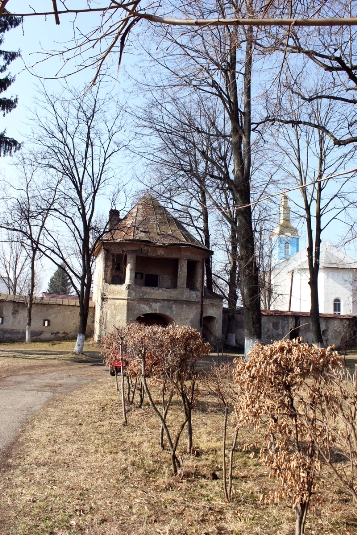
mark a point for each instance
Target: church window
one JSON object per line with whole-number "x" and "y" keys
{"x": 46, "y": 323}
{"x": 286, "y": 248}
{"x": 1, "y": 320}
{"x": 337, "y": 306}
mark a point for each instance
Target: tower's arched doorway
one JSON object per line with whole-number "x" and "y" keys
{"x": 209, "y": 328}
{"x": 155, "y": 319}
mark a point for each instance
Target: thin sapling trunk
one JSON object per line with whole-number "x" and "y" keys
{"x": 122, "y": 384}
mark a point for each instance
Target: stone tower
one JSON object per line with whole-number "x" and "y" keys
{"x": 150, "y": 269}
{"x": 285, "y": 237}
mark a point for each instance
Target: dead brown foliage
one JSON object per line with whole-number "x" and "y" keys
{"x": 279, "y": 390}
{"x": 167, "y": 355}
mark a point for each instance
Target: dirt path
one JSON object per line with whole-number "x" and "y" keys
{"x": 21, "y": 395}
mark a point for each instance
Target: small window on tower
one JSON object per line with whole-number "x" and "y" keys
{"x": 151, "y": 280}
{"x": 337, "y": 306}
{"x": 286, "y": 248}
{"x": 46, "y": 323}
{"x": 118, "y": 269}
{"x": 1, "y": 320}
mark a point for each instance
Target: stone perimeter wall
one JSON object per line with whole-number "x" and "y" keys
{"x": 337, "y": 330}
{"x": 63, "y": 315}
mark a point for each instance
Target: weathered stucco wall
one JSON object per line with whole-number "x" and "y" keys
{"x": 177, "y": 297}
{"x": 340, "y": 331}
{"x": 212, "y": 319}
{"x": 62, "y": 314}
{"x": 125, "y": 303}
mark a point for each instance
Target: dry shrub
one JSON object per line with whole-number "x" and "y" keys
{"x": 279, "y": 389}
{"x": 219, "y": 381}
{"x": 335, "y": 431}
{"x": 167, "y": 356}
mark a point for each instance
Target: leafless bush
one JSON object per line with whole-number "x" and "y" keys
{"x": 167, "y": 356}
{"x": 280, "y": 391}
{"x": 219, "y": 381}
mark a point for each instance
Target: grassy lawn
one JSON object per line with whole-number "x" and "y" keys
{"x": 36, "y": 356}
{"x": 351, "y": 361}
{"x": 77, "y": 469}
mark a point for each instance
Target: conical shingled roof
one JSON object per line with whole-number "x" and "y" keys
{"x": 149, "y": 221}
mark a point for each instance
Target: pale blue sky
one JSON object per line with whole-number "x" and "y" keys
{"x": 38, "y": 33}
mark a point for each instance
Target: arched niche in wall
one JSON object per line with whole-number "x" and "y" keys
{"x": 155, "y": 319}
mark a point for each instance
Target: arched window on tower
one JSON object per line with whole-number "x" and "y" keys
{"x": 337, "y": 306}
{"x": 286, "y": 248}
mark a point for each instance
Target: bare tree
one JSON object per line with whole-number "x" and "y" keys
{"x": 223, "y": 61}
{"x": 117, "y": 20}
{"x": 327, "y": 53}
{"x": 76, "y": 137}
{"x": 13, "y": 263}
{"x": 311, "y": 161}
{"x": 190, "y": 151}
{"x": 218, "y": 64}
{"x": 29, "y": 203}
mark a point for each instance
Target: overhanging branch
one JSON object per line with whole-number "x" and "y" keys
{"x": 331, "y": 21}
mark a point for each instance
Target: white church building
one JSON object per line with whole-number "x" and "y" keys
{"x": 337, "y": 281}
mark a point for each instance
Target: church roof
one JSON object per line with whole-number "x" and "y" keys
{"x": 330, "y": 257}
{"x": 148, "y": 221}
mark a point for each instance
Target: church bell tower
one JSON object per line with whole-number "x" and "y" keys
{"x": 285, "y": 238}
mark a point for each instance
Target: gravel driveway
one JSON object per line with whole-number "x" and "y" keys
{"x": 21, "y": 395}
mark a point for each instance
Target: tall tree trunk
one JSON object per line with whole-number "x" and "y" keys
{"x": 28, "y": 323}
{"x": 314, "y": 311}
{"x": 313, "y": 259}
{"x": 83, "y": 318}
{"x": 30, "y": 296}
{"x": 232, "y": 285}
{"x": 313, "y": 249}
{"x": 84, "y": 298}
{"x": 241, "y": 149}
{"x": 207, "y": 238}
